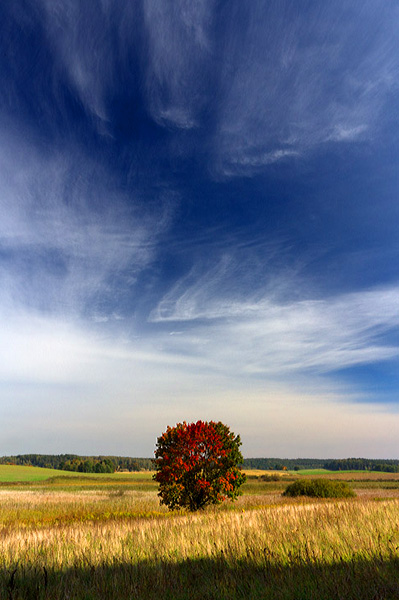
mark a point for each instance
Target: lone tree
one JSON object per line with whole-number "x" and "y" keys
{"x": 198, "y": 464}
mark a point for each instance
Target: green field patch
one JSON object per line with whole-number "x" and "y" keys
{"x": 16, "y": 473}
{"x": 313, "y": 472}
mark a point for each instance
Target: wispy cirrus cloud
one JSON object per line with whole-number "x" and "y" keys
{"x": 212, "y": 370}
{"x": 93, "y": 49}
{"x": 70, "y": 373}
{"x": 71, "y": 242}
{"x": 221, "y": 283}
{"x": 287, "y": 95}
{"x": 140, "y": 283}
{"x": 85, "y": 55}
{"x": 176, "y": 80}
{"x": 274, "y": 92}
{"x": 268, "y": 330}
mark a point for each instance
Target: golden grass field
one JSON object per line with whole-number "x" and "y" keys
{"x": 91, "y": 538}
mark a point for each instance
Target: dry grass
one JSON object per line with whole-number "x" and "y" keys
{"x": 327, "y": 530}
{"x": 105, "y": 543}
{"x": 44, "y": 508}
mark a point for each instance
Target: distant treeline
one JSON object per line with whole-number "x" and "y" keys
{"x": 344, "y": 464}
{"x": 279, "y": 464}
{"x": 363, "y": 464}
{"x": 111, "y": 464}
{"x": 81, "y": 464}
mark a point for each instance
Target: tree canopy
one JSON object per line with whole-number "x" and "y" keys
{"x": 197, "y": 464}
{"x": 85, "y": 464}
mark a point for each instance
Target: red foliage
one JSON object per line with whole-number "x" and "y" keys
{"x": 197, "y": 464}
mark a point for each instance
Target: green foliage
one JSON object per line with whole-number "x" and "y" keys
{"x": 319, "y": 488}
{"x": 197, "y": 465}
{"x": 80, "y": 464}
{"x": 363, "y": 464}
{"x": 277, "y": 464}
{"x": 270, "y": 477}
{"x": 300, "y": 464}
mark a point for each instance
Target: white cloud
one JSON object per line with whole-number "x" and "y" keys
{"x": 254, "y": 364}
{"x": 80, "y": 40}
{"x": 263, "y": 335}
{"x": 255, "y": 159}
{"x": 178, "y": 55}
{"x": 342, "y": 134}
{"x": 241, "y": 340}
{"x": 69, "y": 236}
{"x": 68, "y": 389}
{"x": 171, "y": 40}
{"x": 301, "y": 79}
{"x": 280, "y": 81}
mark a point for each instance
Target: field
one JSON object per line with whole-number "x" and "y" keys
{"x": 98, "y": 537}
{"x": 12, "y": 473}
{"x": 15, "y": 473}
{"x": 349, "y": 475}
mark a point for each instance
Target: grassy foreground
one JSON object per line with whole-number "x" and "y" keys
{"x": 99, "y": 542}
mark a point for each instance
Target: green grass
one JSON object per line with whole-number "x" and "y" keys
{"x": 315, "y": 472}
{"x": 312, "y": 472}
{"x": 16, "y": 473}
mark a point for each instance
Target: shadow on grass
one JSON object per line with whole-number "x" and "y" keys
{"x": 205, "y": 579}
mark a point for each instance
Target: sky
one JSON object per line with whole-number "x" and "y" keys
{"x": 199, "y": 220}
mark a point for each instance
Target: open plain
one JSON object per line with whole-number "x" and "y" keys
{"x": 92, "y": 537}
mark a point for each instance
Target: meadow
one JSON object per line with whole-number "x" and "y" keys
{"x": 91, "y": 537}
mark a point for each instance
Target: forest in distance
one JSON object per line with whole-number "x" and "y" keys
{"x": 112, "y": 464}
{"x": 80, "y": 464}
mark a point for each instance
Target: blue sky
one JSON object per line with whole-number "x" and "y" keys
{"x": 199, "y": 220}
